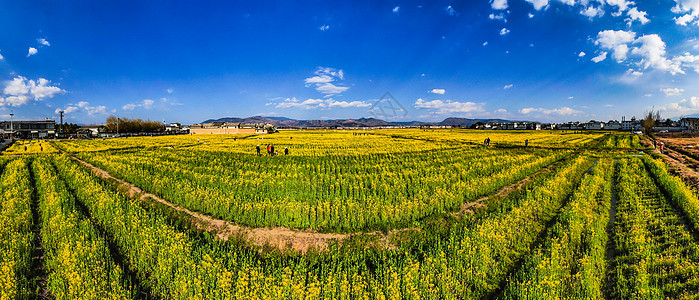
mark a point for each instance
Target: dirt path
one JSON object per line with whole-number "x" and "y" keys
{"x": 279, "y": 237}
{"x": 502, "y": 193}
{"x": 678, "y": 163}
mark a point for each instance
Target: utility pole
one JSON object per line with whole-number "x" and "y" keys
{"x": 12, "y": 127}
{"x": 61, "y": 120}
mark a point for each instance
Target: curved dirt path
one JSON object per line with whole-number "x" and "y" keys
{"x": 282, "y": 238}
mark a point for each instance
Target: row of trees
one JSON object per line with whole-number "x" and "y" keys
{"x": 115, "y": 124}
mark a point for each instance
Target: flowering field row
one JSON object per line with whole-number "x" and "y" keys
{"x": 15, "y": 229}
{"x": 657, "y": 255}
{"x": 570, "y": 263}
{"x": 30, "y": 147}
{"x": 347, "y": 193}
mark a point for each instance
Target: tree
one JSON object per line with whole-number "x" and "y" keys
{"x": 132, "y": 125}
{"x": 651, "y": 118}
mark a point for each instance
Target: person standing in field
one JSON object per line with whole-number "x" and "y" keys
{"x": 258, "y": 150}
{"x": 655, "y": 142}
{"x": 286, "y": 150}
{"x": 268, "y": 151}
{"x": 661, "y": 147}
{"x": 271, "y": 151}
{"x": 526, "y": 143}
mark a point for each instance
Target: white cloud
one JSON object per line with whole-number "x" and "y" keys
{"x": 685, "y": 106}
{"x": 31, "y": 51}
{"x": 324, "y": 27}
{"x": 648, "y": 95}
{"x": 501, "y": 111}
{"x": 93, "y": 110}
{"x": 609, "y": 105}
{"x": 652, "y": 53}
{"x": 539, "y": 4}
{"x": 507, "y": 87}
{"x": 449, "y": 106}
{"x": 672, "y": 91}
{"x": 498, "y": 4}
{"x": 438, "y": 91}
{"x": 690, "y": 8}
{"x": 688, "y": 60}
{"x": 322, "y": 81}
{"x": 85, "y": 106}
{"x": 43, "y": 42}
{"x": 147, "y": 104}
{"x": 648, "y": 50}
{"x": 571, "y": 97}
{"x": 615, "y": 40}
{"x": 485, "y": 43}
{"x": 592, "y": 12}
{"x": 1, "y": 57}
{"x": 21, "y": 91}
{"x": 621, "y": 4}
{"x": 14, "y": 100}
{"x": 170, "y": 91}
{"x": 450, "y": 10}
{"x": 581, "y": 54}
{"x": 636, "y": 15}
{"x": 395, "y": 9}
{"x": 329, "y": 88}
{"x": 602, "y": 56}
{"x": 42, "y": 89}
{"x": 683, "y": 20}
{"x": 319, "y": 103}
{"x": 504, "y": 31}
{"x": 500, "y": 17}
{"x": 530, "y": 15}
{"x": 563, "y": 111}
{"x": 67, "y": 110}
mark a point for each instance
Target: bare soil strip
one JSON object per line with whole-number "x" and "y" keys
{"x": 469, "y": 207}
{"x": 282, "y": 238}
{"x": 610, "y": 254}
{"x": 38, "y": 275}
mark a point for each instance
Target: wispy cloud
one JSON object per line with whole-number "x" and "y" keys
{"x": 563, "y": 111}
{"x": 602, "y": 56}
{"x": 449, "y": 106}
{"x": 146, "y": 104}
{"x": 499, "y": 4}
{"x": 672, "y": 91}
{"x": 323, "y": 80}
{"x": 318, "y": 104}
{"x": 438, "y": 91}
{"x": 504, "y": 31}
{"x": 85, "y": 106}
{"x": 507, "y": 86}
{"x": 43, "y": 42}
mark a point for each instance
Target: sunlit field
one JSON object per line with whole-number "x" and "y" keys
{"x": 430, "y": 214}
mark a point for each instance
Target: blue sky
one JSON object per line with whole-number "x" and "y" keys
{"x": 188, "y": 61}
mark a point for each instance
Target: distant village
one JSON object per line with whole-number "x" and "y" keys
{"x": 51, "y": 129}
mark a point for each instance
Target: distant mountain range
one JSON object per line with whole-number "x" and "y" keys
{"x": 361, "y": 122}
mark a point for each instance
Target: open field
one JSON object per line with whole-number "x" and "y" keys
{"x": 381, "y": 214}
